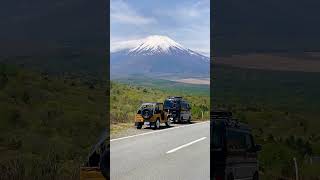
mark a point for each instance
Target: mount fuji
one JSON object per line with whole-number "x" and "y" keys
{"x": 158, "y": 56}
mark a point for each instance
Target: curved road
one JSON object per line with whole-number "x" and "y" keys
{"x": 178, "y": 153}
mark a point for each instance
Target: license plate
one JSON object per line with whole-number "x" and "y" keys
{"x": 147, "y": 123}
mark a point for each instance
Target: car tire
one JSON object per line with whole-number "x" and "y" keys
{"x": 157, "y": 124}
{"x": 255, "y": 176}
{"x": 139, "y": 126}
{"x": 189, "y": 120}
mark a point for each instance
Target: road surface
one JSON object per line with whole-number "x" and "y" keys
{"x": 178, "y": 153}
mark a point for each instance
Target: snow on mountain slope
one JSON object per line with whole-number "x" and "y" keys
{"x": 154, "y": 45}
{"x": 158, "y": 55}
{"x": 157, "y": 44}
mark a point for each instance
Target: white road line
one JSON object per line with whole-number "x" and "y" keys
{"x": 185, "y": 145}
{"x": 157, "y": 131}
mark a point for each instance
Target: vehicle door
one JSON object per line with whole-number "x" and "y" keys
{"x": 156, "y": 109}
{"x": 184, "y": 113}
{"x": 162, "y": 113}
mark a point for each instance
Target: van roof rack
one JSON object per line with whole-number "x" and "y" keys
{"x": 174, "y": 97}
{"x": 220, "y": 115}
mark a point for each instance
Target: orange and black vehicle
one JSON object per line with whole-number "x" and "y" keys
{"x": 151, "y": 114}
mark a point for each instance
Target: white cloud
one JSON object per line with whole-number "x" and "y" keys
{"x": 187, "y": 12}
{"x": 121, "y": 45}
{"x": 121, "y": 12}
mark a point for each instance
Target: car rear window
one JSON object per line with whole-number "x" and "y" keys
{"x": 237, "y": 140}
{"x": 169, "y": 104}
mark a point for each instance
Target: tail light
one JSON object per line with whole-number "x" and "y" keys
{"x": 218, "y": 178}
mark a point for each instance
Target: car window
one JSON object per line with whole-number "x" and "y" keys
{"x": 236, "y": 140}
{"x": 168, "y": 104}
{"x": 185, "y": 106}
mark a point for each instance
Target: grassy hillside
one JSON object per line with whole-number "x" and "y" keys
{"x": 48, "y": 123}
{"x": 283, "y": 110}
{"x": 125, "y": 99}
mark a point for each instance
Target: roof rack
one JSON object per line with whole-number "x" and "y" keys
{"x": 174, "y": 97}
{"x": 220, "y": 115}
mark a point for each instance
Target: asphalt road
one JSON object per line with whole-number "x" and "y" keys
{"x": 177, "y": 153}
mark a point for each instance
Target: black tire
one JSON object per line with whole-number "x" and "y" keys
{"x": 146, "y": 113}
{"x": 105, "y": 163}
{"x": 255, "y": 176}
{"x": 181, "y": 119}
{"x": 189, "y": 120}
{"x": 139, "y": 126}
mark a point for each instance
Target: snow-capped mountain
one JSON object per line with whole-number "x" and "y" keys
{"x": 157, "y": 55}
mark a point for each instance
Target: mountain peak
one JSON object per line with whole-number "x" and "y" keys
{"x": 157, "y": 43}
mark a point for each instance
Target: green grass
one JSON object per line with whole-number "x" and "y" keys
{"x": 283, "y": 110}
{"x": 48, "y": 123}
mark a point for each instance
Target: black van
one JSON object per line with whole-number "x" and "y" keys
{"x": 232, "y": 148}
{"x": 179, "y": 110}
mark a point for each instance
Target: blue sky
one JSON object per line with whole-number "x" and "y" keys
{"x": 185, "y": 21}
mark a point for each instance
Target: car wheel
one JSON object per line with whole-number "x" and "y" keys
{"x": 139, "y": 126}
{"x": 157, "y": 124}
{"x": 189, "y": 120}
{"x": 255, "y": 176}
